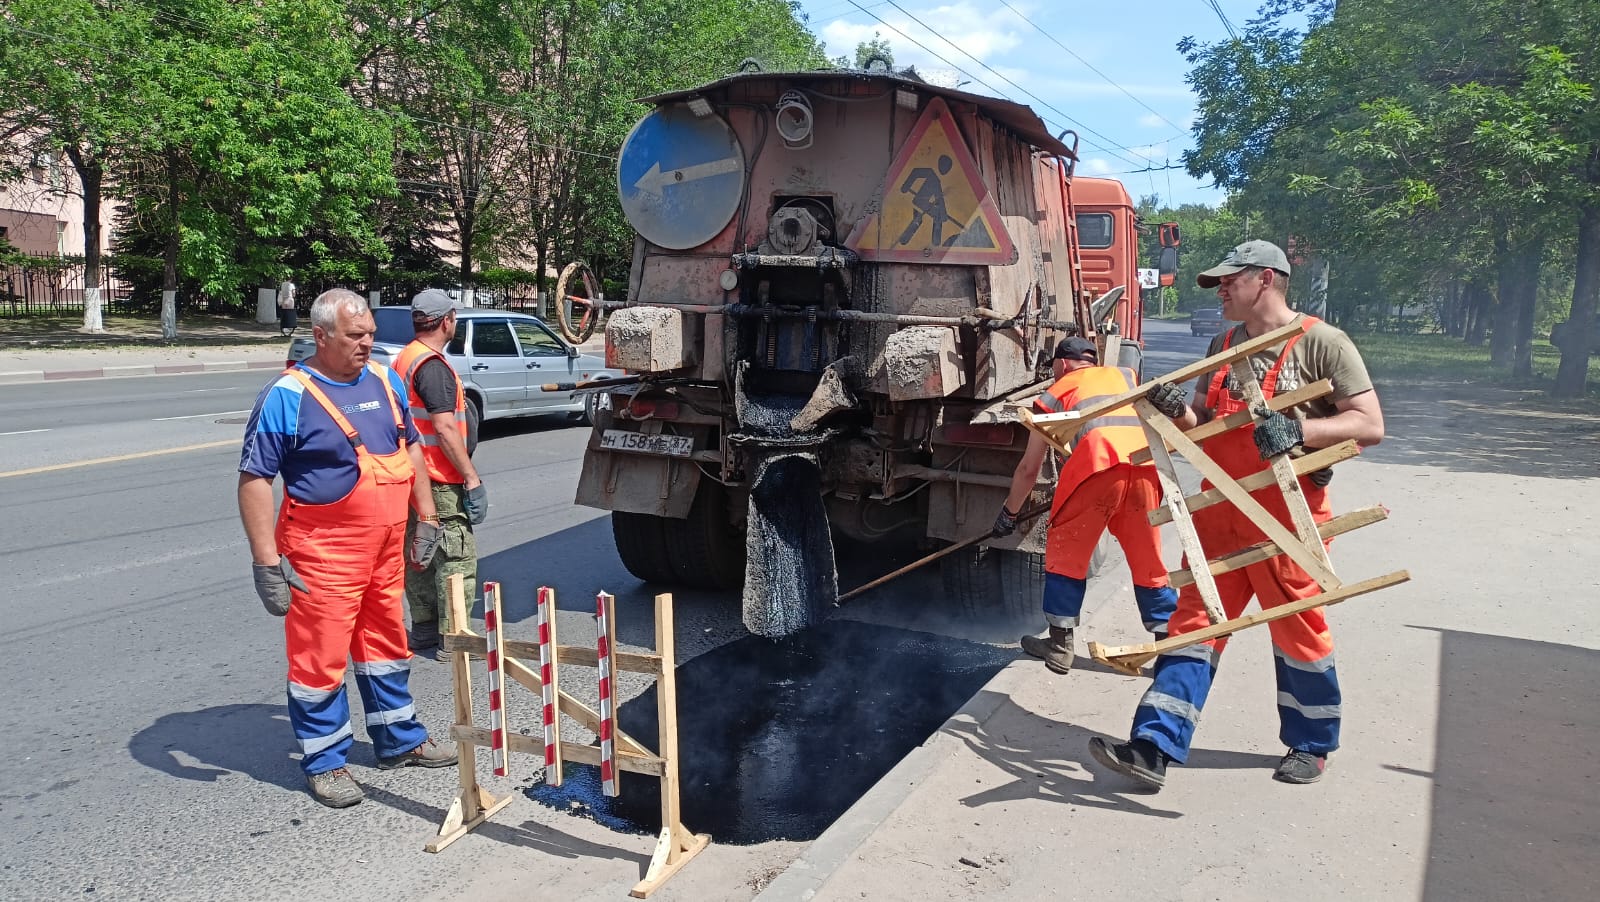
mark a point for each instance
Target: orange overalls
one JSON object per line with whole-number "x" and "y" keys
{"x": 1098, "y": 489}
{"x": 1308, "y": 685}
{"x": 351, "y": 555}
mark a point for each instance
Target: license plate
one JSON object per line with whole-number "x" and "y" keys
{"x": 647, "y": 443}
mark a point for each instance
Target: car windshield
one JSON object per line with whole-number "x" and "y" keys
{"x": 394, "y": 325}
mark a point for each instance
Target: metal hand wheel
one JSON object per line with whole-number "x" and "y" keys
{"x": 576, "y": 291}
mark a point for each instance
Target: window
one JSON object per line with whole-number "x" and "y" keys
{"x": 394, "y": 325}
{"x": 1095, "y": 230}
{"x": 536, "y": 342}
{"x": 492, "y": 338}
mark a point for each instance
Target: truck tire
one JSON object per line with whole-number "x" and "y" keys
{"x": 1003, "y": 588}
{"x": 642, "y": 545}
{"x": 702, "y": 551}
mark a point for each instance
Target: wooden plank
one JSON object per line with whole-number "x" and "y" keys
{"x": 654, "y": 878}
{"x": 1263, "y": 551}
{"x": 578, "y": 711}
{"x": 550, "y": 694}
{"x": 1316, "y": 460}
{"x": 1234, "y": 420}
{"x": 575, "y": 655}
{"x": 1030, "y": 419}
{"x": 461, "y": 681}
{"x": 667, "y": 719}
{"x": 649, "y": 765}
{"x": 1130, "y": 658}
{"x": 1268, "y": 524}
{"x": 1172, "y": 494}
{"x": 1066, "y": 423}
{"x": 1305, "y": 525}
{"x": 487, "y": 807}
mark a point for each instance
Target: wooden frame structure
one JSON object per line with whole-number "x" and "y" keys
{"x": 675, "y": 845}
{"x": 1303, "y": 543}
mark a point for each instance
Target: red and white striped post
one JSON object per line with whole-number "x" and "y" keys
{"x": 499, "y": 754}
{"x": 603, "y": 613}
{"x": 551, "y": 717}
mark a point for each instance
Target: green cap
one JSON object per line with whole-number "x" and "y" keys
{"x": 1260, "y": 253}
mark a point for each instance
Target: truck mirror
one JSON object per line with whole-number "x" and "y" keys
{"x": 1170, "y": 236}
{"x": 1168, "y": 265}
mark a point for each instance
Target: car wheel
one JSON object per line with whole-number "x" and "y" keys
{"x": 474, "y": 419}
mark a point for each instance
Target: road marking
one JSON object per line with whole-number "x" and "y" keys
{"x": 24, "y": 432}
{"x": 196, "y": 391}
{"x": 201, "y": 416}
{"x": 118, "y": 458}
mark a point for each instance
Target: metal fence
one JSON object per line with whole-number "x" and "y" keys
{"x": 47, "y": 284}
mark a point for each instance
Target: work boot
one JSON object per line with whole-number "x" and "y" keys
{"x": 1056, "y": 649}
{"x": 335, "y": 788}
{"x": 1137, "y": 758}
{"x": 1300, "y": 767}
{"x": 423, "y": 636}
{"x": 428, "y": 754}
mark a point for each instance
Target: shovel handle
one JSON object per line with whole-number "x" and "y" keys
{"x": 1024, "y": 517}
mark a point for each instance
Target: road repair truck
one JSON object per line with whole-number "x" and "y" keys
{"x": 843, "y": 284}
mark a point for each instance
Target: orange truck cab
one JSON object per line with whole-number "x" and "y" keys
{"x": 1108, "y": 241}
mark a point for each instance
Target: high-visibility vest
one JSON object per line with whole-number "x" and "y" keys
{"x": 1108, "y": 439}
{"x": 411, "y": 359}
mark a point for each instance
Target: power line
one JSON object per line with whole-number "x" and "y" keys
{"x": 1091, "y": 67}
{"x": 1224, "y": 17}
{"x": 1161, "y": 168}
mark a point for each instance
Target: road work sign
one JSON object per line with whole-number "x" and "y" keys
{"x": 934, "y": 206}
{"x": 680, "y": 177}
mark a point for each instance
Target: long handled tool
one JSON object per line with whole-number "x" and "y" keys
{"x": 1026, "y": 516}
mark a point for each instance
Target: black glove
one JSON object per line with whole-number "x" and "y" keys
{"x": 1320, "y": 478}
{"x": 1170, "y": 399}
{"x": 1005, "y": 524}
{"x": 477, "y": 504}
{"x": 1276, "y": 433}
{"x": 424, "y": 542}
{"x": 273, "y": 582}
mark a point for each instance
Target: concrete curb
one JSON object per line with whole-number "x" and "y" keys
{"x": 806, "y": 875}
{"x": 140, "y": 369}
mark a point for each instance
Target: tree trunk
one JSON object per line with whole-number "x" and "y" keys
{"x": 1505, "y": 311}
{"x": 169, "y": 257}
{"x": 90, "y": 176}
{"x": 1317, "y": 298}
{"x": 1477, "y": 312}
{"x": 1576, "y": 344}
{"x": 1530, "y": 260}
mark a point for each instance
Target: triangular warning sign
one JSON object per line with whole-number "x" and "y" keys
{"x": 934, "y": 206}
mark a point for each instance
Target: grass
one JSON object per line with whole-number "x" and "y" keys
{"x": 45, "y": 331}
{"x": 1440, "y": 358}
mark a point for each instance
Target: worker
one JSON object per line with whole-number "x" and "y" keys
{"x": 439, "y": 408}
{"x": 1252, "y": 282}
{"x": 1097, "y": 488}
{"x": 336, "y": 428}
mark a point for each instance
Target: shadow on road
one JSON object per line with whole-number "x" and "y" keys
{"x": 1516, "y": 787}
{"x": 1481, "y": 429}
{"x": 254, "y": 740}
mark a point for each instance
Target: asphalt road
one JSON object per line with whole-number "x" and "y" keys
{"x": 151, "y": 755}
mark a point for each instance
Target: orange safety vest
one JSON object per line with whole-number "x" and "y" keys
{"x": 440, "y": 469}
{"x": 382, "y": 493}
{"x": 1103, "y": 442}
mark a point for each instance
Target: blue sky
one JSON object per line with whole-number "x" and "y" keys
{"x": 996, "y": 50}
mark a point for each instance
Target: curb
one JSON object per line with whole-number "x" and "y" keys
{"x": 807, "y": 875}
{"x": 16, "y": 377}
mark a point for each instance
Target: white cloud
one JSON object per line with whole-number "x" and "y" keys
{"x": 1151, "y": 120}
{"x": 967, "y": 27}
{"x": 1097, "y": 166}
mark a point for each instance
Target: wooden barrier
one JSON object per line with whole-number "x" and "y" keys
{"x": 675, "y": 845}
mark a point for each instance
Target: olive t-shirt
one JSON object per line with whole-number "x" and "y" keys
{"x": 1324, "y": 352}
{"x": 435, "y": 382}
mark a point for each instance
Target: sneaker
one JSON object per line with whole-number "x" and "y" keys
{"x": 335, "y": 788}
{"x": 1055, "y": 649}
{"x": 423, "y": 636}
{"x": 1138, "y": 758}
{"x": 1300, "y": 767}
{"x": 428, "y": 754}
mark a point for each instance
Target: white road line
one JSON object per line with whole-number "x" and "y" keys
{"x": 24, "y": 432}
{"x": 198, "y": 416}
{"x": 197, "y": 391}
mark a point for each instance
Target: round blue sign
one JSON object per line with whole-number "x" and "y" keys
{"x": 680, "y": 177}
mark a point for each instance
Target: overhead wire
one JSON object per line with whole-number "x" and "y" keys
{"x": 1217, "y": 7}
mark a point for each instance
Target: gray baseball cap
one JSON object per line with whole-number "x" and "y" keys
{"x": 1260, "y": 253}
{"x": 432, "y": 303}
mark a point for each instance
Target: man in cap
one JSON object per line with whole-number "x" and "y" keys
{"x": 1252, "y": 281}
{"x": 439, "y": 408}
{"x": 1098, "y": 488}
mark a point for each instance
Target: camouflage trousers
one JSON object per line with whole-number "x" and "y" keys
{"x": 428, "y": 591}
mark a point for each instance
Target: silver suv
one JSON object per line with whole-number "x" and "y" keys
{"x": 503, "y": 360}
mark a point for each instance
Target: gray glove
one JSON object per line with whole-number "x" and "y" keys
{"x": 1276, "y": 433}
{"x": 477, "y": 504}
{"x": 424, "y": 542}
{"x": 1170, "y": 399}
{"x": 1005, "y": 524}
{"x": 273, "y": 582}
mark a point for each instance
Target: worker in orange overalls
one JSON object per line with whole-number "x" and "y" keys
{"x": 1251, "y": 281}
{"x": 336, "y": 427}
{"x": 1097, "y": 489}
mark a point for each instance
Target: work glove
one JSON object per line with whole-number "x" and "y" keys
{"x": 273, "y": 582}
{"x": 1320, "y": 478}
{"x": 477, "y": 504}
{"x": 424, "y": 542}
{"x": 1276, "y": 433}
{"x": 1005, "y": 524}
{"x": 1170, "y": 399}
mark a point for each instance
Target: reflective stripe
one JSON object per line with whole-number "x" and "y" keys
{"x": 314, "y": 744}
{"x": 1199, "y": 651}
{"x": 1085, "y": 403}
{"x": 384, "y": 718}
{"x": 1049, "y": 402}
{"x": 1315, "y": 712}
{"x": 1321, "y": 665}
{"x": 1153, "y": 625}
{"x": 430, "y": 440}
{"x": 1103, "y": 422}
{"x": 380, "y": 668}
{"x": 1170, "y": 704}
{"x": 305, "y": 695}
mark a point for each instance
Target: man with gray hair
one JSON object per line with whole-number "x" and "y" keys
{"x": 337, "y": 429}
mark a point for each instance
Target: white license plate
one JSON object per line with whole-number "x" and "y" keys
{"x": 647, "y": 443}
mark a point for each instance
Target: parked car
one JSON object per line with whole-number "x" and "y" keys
{"x": 502, "y": 359}
{"x": 1208, "y": 321}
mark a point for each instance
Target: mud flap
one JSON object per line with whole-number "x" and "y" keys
{"x": 637, "y": 483}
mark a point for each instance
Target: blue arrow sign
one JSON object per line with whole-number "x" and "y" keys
{"x": 680, "y": 177}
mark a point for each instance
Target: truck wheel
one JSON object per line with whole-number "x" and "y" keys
{"x": 642, "y": 545}
{"x": 1003, "y": 588}
{"x": 703, "y": 551}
